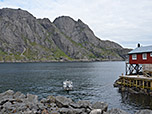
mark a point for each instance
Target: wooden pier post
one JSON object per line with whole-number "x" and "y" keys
{"x": 150, "y": 85}
{"x": 143, "y": 84}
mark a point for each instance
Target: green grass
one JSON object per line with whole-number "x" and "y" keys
{"x": 8, "y": 58}
{"x": 1, "y": 58}
{"x": 2, "y": 53}
{"x": 18, "y": 57}
{"x": 59, "y": 53}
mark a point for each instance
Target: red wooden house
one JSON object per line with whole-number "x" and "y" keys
{"x": 139, "y": 58}
{"x": 138, "y": 70}
{"x": 141, "y": 55}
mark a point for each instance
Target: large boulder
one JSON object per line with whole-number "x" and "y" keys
{"x": 7, "y": 93}
{"x": 75, "y": 105}
{"x": 84, "y": 104}
{"x": 96, "y": 111}
{"x": 32, "y": 98}
{"x": 62, "y": 101}
{"x": 19, "y": 96}
{"x": 100, "y": 105}
{"x": 6, "y": 96}
{"x": 51, "y": 99}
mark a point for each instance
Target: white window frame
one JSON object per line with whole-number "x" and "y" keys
{"x": 134, "y": 56}
{"x": 151, "y": 54}
{"x": 144, "y": 56}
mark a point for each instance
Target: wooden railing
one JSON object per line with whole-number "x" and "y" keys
{"x": 134, "y": 83}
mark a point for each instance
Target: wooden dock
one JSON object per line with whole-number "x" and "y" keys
{"x": 138, "y": 81}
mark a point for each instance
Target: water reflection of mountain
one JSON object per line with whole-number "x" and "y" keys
{"x": 137, "y": 102}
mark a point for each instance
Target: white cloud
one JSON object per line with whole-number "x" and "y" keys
{"x": 124, "y": 21}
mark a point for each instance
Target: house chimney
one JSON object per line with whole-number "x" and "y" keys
{"x": 138, "y": 45}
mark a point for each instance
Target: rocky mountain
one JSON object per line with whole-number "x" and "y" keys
{"x": 23, "y": 38}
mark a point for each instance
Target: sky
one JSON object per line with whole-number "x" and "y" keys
{"x": 126, "y": 22}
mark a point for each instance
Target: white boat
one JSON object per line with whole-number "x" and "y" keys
{"x": 67, "y": 85}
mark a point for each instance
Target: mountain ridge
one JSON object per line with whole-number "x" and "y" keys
{"x": 23, "y": 38}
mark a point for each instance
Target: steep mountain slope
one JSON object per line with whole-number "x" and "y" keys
{"x": 82, "y": 34}
{"x": 25, "y": 38}
{"x": 64, "y": 43}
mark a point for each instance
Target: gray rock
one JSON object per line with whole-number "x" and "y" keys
{"x": 53, "y": 105}
{"x": 54, "y": 112}
{"x": 75, "y": 105}
{"x": 51, "y": 99}
{"x": 19, "y": 96}
{"x": 41, "y": 106}
{"x": 85, "y": 104}
{"x": 100, "y": 105}
{"x": 32, "y": 98}
{"x": 63, "y": 101}
{"x": 7, "y": 93}
{"x": 28, "y": 111}
{"x": 6, "y": 96}
{"x": 71, "y": 111}
{"x": 43, "y": 100}
{"x": 20, "y": 106}
{"x": 65, "y": 111}
{"x": 8, "y": 106}
{"x": 78, "y": 111}
{"x": 146, "y": 111}
{"x": 115, "y": 111}
{"x": 96, "y": 111}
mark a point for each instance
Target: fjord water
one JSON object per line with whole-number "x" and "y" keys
{"x": 93, "y": 81}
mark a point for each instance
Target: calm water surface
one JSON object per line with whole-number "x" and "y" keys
{"x": 92, "y": 81}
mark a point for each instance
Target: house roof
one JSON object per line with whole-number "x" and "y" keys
{"x": 142, "y": 49}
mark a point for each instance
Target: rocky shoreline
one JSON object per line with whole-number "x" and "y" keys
{"x": 17, "y": 103}
{"x": 61, "y": 60}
